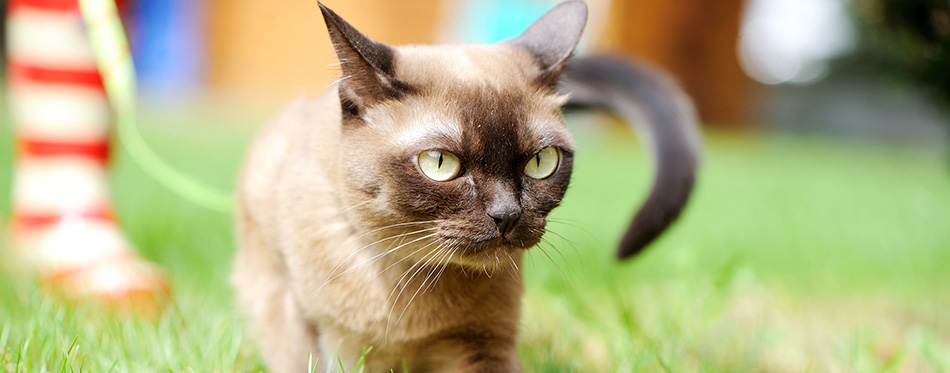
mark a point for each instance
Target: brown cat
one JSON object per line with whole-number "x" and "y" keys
{"x": 394, "y": 211}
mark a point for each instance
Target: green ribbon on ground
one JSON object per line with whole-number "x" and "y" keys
{"x": 114, "y": 59}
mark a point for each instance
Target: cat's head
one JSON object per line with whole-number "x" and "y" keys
{"x": 456, "y": 151}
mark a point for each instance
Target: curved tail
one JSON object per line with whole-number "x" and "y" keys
{"x": 650, "y": 102}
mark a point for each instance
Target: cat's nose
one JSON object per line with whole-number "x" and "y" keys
{"x": 501, "y": 204}
{"x": 505, "y": 219}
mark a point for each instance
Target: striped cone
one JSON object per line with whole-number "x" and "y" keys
{"x": 63, "y": 221}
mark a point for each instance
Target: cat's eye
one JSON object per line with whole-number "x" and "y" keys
{"x": 543, "y": 163}
{"x": 439, "y": 165}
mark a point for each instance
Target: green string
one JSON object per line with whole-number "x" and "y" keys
{"x": 118, "y": 73}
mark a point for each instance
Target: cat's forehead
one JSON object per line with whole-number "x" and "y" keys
{"x": 478, "y": 121}
{"x": 496, "y": 66}
{"x": 476, "y": 98}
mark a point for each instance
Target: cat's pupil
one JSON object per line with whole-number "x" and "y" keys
{"x": 440, "y": 160}
{"x": 537, "y": 158}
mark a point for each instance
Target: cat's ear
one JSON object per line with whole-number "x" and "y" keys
{"x": 368, "y": 66}
{"x": 552, "y": 38}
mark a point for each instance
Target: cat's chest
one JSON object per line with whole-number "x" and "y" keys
{"x": 384, "y": 298}
{"x": 349, "y": 284}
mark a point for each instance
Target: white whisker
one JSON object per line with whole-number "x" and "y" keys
{"x": 398, "y": 225}
{"x": 513, "y": 264}
{"x": 352, "y": 207}
{"x": 421, "y": 265}
{"x": 424, "y": 281}
{"x": 334, "y": 276}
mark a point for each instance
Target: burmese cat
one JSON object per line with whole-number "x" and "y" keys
{"x": 394, "y": 210}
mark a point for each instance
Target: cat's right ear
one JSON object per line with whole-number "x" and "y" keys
{"x": 368, "y": 67}
{"x": 552, "y": 38}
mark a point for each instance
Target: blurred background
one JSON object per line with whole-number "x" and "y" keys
{"x": 818, "y": 238}
{"x": 857, "y": 67}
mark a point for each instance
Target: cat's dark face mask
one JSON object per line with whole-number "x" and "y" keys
{"x": 471, "y": 173}
{"x": 505, "y": 169}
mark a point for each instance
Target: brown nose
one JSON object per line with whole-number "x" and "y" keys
{"x": 501, "y": 204}
{"x": 506, "y": 219}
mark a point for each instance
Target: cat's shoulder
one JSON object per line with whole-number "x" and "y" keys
{"x": 304, "y": 126}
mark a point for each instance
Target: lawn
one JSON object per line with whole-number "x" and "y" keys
{"x": 797, "y": 253}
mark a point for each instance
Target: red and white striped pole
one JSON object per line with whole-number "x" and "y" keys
{"x": 63, "y": 219}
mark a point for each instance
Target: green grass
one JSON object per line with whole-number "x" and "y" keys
{"x": 797, "y": 253}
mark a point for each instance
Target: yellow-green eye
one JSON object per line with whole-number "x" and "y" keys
{"x": 439, "y": 165}
{"x": 543, "y": 163}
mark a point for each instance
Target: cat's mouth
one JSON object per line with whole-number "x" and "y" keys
{"x": 470, "y": 244}
{"x": 481, "y": 238}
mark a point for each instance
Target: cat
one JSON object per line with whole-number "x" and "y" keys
{"x": 393, "y": 212}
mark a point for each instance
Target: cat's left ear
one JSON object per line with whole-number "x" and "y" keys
{"x": 368, "y": 67}
{"x": 552, "y": 38}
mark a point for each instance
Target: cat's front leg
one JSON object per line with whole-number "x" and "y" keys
{"x": 492, "y": 360}
{"x": 286, "y": 338}
{"x": 476, "y": 353}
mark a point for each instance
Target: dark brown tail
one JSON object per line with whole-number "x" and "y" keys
{"x": 650, "y": 102}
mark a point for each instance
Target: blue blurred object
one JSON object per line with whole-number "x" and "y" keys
{"x": 168, "y": 45}
{"x": 491, "y": 21}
